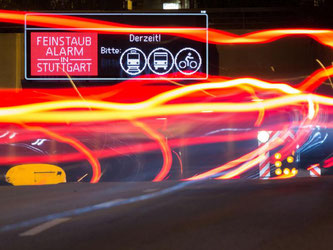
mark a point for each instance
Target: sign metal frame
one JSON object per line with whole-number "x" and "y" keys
{"x": 107, "y": 14}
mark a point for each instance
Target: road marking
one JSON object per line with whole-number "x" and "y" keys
{"x": 47, "y": 225}
{"x": 96, "y": 207}
{"x": 108, "y": 204}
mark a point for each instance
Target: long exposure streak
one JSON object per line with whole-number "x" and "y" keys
{"x": 215, "y": 36}
{"x": 212, "y": 103}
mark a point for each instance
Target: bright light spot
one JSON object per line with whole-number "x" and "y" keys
{"x": 311, "y": 112}
{"x": 294, "y": 171}
{"x": 277, "y": 156}
{"x": 161, "y": 118}
{"x": 290, "y": 159}
{"x": 286, "y": 171}
{"x": 12, "y": 135}
{"x": 38, "y": 142}
{"x": 4, "y": 134}
{"x": 263, "y": 136}
{"x": 278, "y": 164}
{"x": 207, "y": 111}
{"x": 278, "y": 171}
{"x": 171, "y": 6}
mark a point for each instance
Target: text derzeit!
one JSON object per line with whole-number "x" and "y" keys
{"x": 145, "y": 38}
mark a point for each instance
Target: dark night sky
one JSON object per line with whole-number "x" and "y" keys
{"x": 120, "y": 4}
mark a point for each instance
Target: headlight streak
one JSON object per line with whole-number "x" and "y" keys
{"x": 154, "y": 101}
{"x": 128, "y": 149}
{"x": 247, "y": 157}
{"x": 300, "y": 137}
{"x": 311, "y": 112}
{"x": 175, "y": 102}
{"x": 314, "y": 141}
{"x": 244, "y": 167}
{"x": 250, "y": 160}
{"x": 27, "y": 113}
{"x": 24, "y": 112}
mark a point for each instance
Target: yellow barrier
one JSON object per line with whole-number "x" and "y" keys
{"x": 35, "y": 174}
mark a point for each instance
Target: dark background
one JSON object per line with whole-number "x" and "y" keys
{"x": 152, "y": 4}
{"x": 223, "y": 14}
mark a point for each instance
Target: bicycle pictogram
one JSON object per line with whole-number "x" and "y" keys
{"x": 188, "y": 61}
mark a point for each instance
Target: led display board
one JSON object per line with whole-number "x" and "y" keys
{"x": 118, "y": 46}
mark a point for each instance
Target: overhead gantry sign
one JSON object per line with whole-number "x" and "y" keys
{"x": 116, "y": 46}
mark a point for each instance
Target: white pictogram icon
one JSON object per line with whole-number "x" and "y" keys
{"x": 160, "y": 61}
{"x": 133, "y": 61}
{"x": 188, "y": 61}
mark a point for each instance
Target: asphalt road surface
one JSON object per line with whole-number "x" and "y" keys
{"x": 236, "y": 214}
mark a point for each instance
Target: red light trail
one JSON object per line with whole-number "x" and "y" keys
{"x": 55, "y": 113}
{"x": 323, "y": 36}
{"x": 46, "y": 112}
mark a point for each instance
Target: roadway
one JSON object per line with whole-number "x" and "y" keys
{"x": 235, "y": 214}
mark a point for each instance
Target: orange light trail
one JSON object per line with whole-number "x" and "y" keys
{"x": 25, "y": 114}
{"x": 323, "y": 36}
{"x": 165, "y": 149}
{"x": 249, "y": 161}
{"x": 96, "y": 168}
{"x": 283, "y": 176}
{"x": 160, "y": 99}
{"x": 154, "y": 101}
{"x": 124, "y": 150}
{"x": 148, "y": 107}
{"x": 244, "y": 167}
{"x": 282, "y": 102}
{"x": 175, "y": 101}
{"x": 316, "y": 79}
{"x": 46, "y": 112}
{"x": 312, "y": 166}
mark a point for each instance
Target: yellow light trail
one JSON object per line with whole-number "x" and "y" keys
{"x": 154, "y": 101}
{"x": 246, "y": 166}
{"x": 106, "y": 111}
{"x": 252, "y": 156}
{"x": 171, "y": 109}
